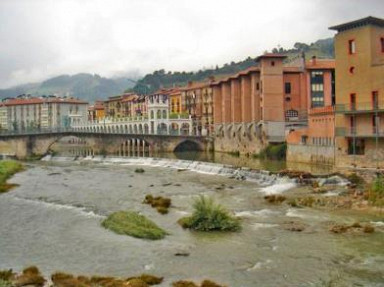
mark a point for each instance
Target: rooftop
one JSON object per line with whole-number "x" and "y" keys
{"x": 34, "y": 101}
{"x": 270, "y": 55}
{"x": 359, "y": 23}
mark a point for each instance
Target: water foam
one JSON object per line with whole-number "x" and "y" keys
{"x": 257, "y": 213}
{"x": 271, "y": 183}
{"x": 58, "y": 206}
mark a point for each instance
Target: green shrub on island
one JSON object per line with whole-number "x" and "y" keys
{"x": 208, "y": 216}
{"x": 376, "y": 192}
{"x": 133, "y": 224}
{"x": 139, "y": 170}
{"x": 7, "y": 169}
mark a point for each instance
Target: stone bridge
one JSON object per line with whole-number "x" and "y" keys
{"x": 23, "y": 145}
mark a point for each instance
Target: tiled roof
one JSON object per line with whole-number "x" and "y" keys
{"x": 34, "y": 101}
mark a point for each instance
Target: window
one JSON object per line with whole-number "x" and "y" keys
{"x": 333, "y": 88}
{"x": 382, "y": 44}
{"x": 375, "y": 124}
{"x": 273, "y": 63}
{"x": 356, "y": 146}
{"x": 291, "y": 115}
{"x": 375, "y": 100}
{"x": 352, "y": 125}
{"x": 352, "y": 70}
{"x": 351, "y": 47}
{"x": 353, "y": 102}
{"x": 257, "y": 86}
{"x": 287, "y": 88}
{"x": 317, "y": 89}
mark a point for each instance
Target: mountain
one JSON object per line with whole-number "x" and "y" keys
{"x": 84, "y": 86}
{"x": 163, "y": 79}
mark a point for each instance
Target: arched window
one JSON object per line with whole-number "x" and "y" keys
{"x": 291, "y": 115}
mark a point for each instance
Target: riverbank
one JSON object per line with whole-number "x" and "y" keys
{"x": 7, "y": 170}
{"x": 32, "y": 277}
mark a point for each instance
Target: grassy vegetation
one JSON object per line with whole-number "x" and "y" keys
{"x": 276, "y": 152}
{"x": 376, "y": 192}
{"x": 7, "y": 169}
{"x": 208, "y": 216}
{"x": 133, "y": 224}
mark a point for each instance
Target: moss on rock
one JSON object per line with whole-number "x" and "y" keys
{"x": 133, "y": 224}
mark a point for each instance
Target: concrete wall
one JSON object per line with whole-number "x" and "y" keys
{"x": 313, "y": 154}
{"x": 373, "y": 156}
{"x": 243, "y": 138}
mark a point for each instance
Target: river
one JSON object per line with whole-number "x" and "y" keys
{"x": 53, "y": 218}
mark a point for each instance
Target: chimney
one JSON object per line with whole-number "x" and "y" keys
{"x": 314, "y": 60}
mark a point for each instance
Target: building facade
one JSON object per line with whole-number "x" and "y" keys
{"x": 315, "y": 143}
{"x": 96, "y": 111}
{"x": 359, "y": 50}
{"x": 192, "y": 104}
{"x": 28, "y": 113}
{"x": 257, "y": 106}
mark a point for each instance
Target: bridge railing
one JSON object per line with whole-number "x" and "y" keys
{"x": 35, "y": 131}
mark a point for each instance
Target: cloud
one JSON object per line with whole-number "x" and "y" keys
{"x": 43, "y": 38}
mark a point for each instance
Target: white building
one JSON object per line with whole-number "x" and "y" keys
{"x": 28, "y": 113}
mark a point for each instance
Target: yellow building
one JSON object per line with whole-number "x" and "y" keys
{"x": 96, "y": 112}
{"x": 359, "y": 52}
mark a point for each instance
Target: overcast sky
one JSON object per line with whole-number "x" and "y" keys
{"x": 44, "y": 38}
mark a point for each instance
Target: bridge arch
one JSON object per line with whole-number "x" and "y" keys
{"x": 188, "y": 145}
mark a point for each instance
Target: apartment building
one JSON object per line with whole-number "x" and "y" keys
{"x": 29, "y": 113}
{"x": 315, "y": 143}
{"x": 197, "y": 101}
{"x": 359, "y": 50}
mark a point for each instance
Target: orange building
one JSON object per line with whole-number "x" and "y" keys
{"x": 359, "y": 50}
{"x": 259, "y": 105}
{"x": 197, "y": 101}
{"x": 315, "y": 143}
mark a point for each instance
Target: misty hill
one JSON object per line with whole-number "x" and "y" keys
{"x": 162, "y": 79}
{"x": 83, "y": 86}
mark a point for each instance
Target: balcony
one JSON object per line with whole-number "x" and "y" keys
{"x": 360, "y": 108}
{"x": 356, "y": 133}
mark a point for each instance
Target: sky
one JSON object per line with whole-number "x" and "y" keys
{"x": 44, "y": 38}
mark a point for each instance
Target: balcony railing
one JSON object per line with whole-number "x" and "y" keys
{"x": 360, "y": 108}
{"x": 359, "y": 133}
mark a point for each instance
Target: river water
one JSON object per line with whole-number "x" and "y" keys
{"x": 53, "y": 218}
